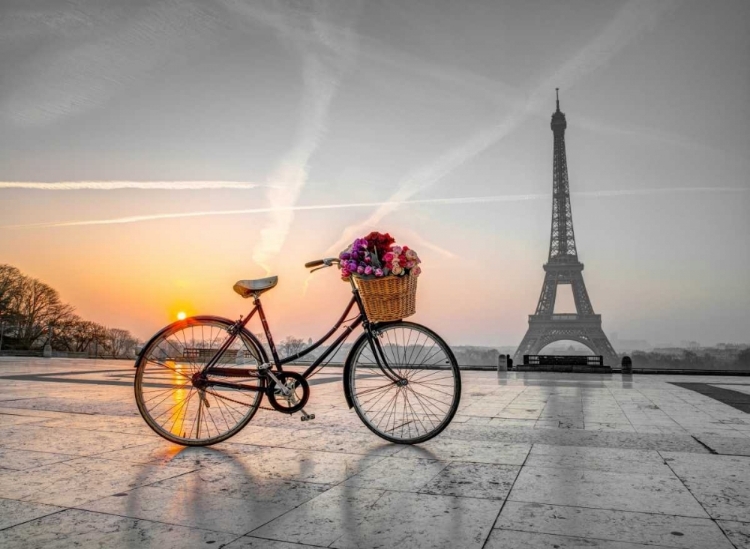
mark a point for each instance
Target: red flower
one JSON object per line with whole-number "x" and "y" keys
{"x": 379, "y": 243}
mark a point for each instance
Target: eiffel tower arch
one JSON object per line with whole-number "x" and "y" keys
{"x": 563, "y": 267}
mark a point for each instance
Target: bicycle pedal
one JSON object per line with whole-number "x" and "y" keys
{"x": 306, "y": 416}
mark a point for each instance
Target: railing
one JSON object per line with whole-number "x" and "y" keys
{"x": 565, "y": 317}
{"x": 562, "y": 360}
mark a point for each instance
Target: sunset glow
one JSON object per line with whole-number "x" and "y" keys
{"x": 157, "y": 161}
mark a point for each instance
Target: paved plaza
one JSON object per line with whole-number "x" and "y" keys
{"x": 534, "y": 460}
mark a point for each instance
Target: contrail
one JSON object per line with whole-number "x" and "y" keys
{"x": 326, "y": 51}
{"x": 630, "y": 21}
{"x": 321, "y": 75}
{"x": 114, "y": 185}
{"x": 425, "y": 201}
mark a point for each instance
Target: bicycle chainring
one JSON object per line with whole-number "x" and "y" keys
{"x": 294, "y": 402}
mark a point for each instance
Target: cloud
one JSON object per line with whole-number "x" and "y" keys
{"x": 323, "y": 63}
{"x": 424, "y": 201}
{"x": 90, "y": 53}
{"x": 634, "y": 18}
{"x": 114, "y": 185}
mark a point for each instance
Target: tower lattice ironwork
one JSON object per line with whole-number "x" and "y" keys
{"x": 563, "y": 267}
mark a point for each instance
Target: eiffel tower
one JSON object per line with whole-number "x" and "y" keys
{"x": 563, "y": 267}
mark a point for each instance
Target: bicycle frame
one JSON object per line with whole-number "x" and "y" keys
{"x": 211, "y": 366}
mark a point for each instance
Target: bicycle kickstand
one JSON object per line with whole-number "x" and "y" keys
{"x": 306, "y": 416}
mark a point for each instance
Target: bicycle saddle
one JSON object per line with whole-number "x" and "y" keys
{"x": 246, "y": 288}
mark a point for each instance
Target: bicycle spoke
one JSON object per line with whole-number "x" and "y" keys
{"x": 425, "y": 398}
{"x": 166, "y": 390}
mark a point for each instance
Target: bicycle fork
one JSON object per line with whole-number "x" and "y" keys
{"x": 382, "y": 362}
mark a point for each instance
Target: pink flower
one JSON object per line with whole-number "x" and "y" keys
{"x": 378, "y": 272}
{"x": 388, "y": 257}
{"x": 368, "y": 270}
{"x": 396, "y": 250}
{"x": 411, "y": 255}
{"x": 395, "y": 262}
{"x": 410, "y": 264}
{"x": 397, "y": 270}
{"x": 416, "y": 271}
{"x": 360, "y": 269}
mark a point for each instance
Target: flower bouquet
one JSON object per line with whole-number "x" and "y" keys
{"x": 385, "y": 275}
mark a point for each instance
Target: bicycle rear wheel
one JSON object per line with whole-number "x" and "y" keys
{"x": 189, "y": 413}
{"x": 411, "y": 392}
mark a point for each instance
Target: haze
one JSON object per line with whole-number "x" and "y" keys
{"x": 119, "y": 121}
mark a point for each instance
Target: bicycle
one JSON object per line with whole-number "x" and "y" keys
{"x": 201, "y": 380}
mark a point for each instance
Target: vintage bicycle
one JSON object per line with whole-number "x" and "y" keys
{"x": 201, "y": 380}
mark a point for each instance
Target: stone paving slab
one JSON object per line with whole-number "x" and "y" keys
{"x": 737, "y": 532}
{"x": 611, "y": 525}
{"x": 720, "y": 483}
{"x": 76, "y": 528}
{"x": 539, "y": 460}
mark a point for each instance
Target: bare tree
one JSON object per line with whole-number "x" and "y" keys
{"x": 29, "y": 307}
{"x": 291, "y": 345}
{"x": 38, "y": 306}
{"x": 10, "y": 278}
{"x": 120, "y": 342}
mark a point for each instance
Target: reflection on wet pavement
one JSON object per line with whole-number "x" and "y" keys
{"x": 531, "y": 460}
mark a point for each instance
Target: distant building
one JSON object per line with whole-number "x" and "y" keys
{"x": 669, "y": 351}
{"x": 627, "y": 345}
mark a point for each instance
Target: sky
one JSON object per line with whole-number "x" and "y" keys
{"x": 153, "y": 153}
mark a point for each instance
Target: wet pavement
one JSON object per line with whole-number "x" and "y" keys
{"x": 531, "y": 460}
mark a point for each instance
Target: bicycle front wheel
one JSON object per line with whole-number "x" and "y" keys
{"x": 405, "y": 383}
{"x": 173, "y": 399}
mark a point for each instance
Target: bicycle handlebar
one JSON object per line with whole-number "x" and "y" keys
{"x": 328, "y": 262}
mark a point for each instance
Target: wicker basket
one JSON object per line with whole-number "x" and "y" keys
{"x": 388, "y": 298}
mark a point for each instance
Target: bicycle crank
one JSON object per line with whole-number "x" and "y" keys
{"x": 296, "y": 388}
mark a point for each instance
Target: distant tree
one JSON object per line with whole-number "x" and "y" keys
{"x": 10, "y": 279}
{"x": 743, "y": 358}
{"x": 291, "y": 345}
{"x": 120, "y": 343}
{"x": 29, "y": 307}
{"x": 37, "y": 305}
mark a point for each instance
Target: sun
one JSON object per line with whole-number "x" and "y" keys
{"x": 181, "y": 315}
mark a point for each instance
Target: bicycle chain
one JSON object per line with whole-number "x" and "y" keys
{"x": 268, "y": 408}
{"x": 238, "y": 402}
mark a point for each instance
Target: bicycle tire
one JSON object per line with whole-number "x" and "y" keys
{"x": 168, "y": 400}
{"x": 429, "y": 399}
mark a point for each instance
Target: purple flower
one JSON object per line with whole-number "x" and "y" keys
{"x": 378, "y": 272}
{"x": 345, "y": 255}
{"x": 368, "y": 259}
{"x": 360, "y": 269}
{"x": 352, "y": 265}
{"x": 368, "y": 270}
{"x": 345, "y": 273}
